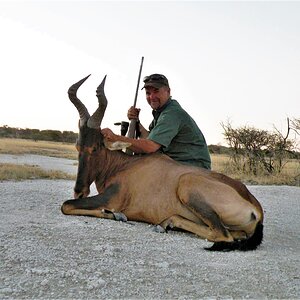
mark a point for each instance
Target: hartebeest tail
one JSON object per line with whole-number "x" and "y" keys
{"x": 155, "y": 189}
{"x": 243, "y": 245}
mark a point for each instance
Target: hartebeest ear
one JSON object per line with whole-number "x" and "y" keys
{"x": 118, "y": 145}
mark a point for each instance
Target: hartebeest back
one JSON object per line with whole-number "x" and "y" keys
{"x": 156, "y": 189}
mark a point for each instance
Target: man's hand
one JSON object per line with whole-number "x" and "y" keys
{"x": 109, "y": 135}
{"x": 133, "y": 113}
{"x": 137, "y": 146}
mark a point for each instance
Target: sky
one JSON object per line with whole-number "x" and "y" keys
{"x": 236, "y": 62}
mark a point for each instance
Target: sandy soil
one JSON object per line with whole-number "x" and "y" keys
{"x": 47, "y": 255}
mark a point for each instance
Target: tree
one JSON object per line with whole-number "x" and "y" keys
{"x": 254, "y": 149}
{"x": 296, "y": 125}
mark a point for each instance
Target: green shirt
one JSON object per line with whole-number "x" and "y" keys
{"x": 179, "y": 136}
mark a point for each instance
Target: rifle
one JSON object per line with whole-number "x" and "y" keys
{"x": 132, "y": 126}
{"x": 132, "y": 131}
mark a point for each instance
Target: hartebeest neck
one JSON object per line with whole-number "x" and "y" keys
{"x": 111, "y": 163}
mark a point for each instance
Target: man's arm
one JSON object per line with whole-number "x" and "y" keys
{"x": 141, "y": 145}
{"x": 144, "y": 132}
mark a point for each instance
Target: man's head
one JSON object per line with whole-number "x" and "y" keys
{"x": 157, "y": 90}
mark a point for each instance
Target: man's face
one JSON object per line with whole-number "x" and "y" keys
{"x": 157, "y": 97}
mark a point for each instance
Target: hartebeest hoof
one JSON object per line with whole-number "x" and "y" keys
{"x": 120, "y": 216}
{"x": 159, "y": 229}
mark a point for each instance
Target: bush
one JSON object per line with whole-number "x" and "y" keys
{"x": 258, "y": 151}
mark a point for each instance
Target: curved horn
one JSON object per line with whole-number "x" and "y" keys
{"x": 83, "y": 112}
{"x": 96, "y": 119}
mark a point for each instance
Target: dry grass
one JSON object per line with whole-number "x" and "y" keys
{"x": 22, "y": 172}
{"x": 21, "y": 146}
{"x": 220, "y": 163}
{"x": 290, "y": 174}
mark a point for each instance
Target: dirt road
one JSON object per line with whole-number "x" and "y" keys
{"x": 46, "y": 255}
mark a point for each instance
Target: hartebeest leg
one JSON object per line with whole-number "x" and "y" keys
{"x": 69, "y": 209}
{"x": 94, "y": 206}
{"x": 202, "y": 231}
{"x": 196, "y": 203}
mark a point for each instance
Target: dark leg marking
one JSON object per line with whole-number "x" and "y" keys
{"x": 207, "y": 213}
{"x": 96, "y": 201}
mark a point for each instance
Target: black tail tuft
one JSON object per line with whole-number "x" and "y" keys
{"x": 245, "y": 245}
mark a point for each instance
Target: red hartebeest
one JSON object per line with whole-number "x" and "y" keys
{"x": 156, "y": 189}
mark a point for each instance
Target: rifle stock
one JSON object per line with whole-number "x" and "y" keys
{"x": 132, "y": 129}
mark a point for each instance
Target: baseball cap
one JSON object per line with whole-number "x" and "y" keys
{"x": 156, "y": 81}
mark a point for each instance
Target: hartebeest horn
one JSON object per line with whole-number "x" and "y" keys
{"x": 83, "y": 112}
{"x": 96, "y": 119}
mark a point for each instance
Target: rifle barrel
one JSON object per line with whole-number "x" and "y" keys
{"x": 138, "y": 82}
{"x": 133, "y": 123}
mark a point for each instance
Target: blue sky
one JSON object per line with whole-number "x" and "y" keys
{"x": 237, "y": 61}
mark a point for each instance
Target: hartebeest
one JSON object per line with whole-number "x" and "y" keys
{"x": 155, "y": 189}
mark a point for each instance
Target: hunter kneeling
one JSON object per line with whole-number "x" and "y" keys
{"x": 172, "y": 131}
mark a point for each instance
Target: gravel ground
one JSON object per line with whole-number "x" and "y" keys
{"x": 47, "y": 255}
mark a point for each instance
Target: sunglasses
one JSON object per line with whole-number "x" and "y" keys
{"x": 155, "y": 77}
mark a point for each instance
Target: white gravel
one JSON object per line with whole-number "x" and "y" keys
{"x": 47, "y": 255}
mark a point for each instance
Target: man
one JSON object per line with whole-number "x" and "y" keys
{"x": 172, "y": 131}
